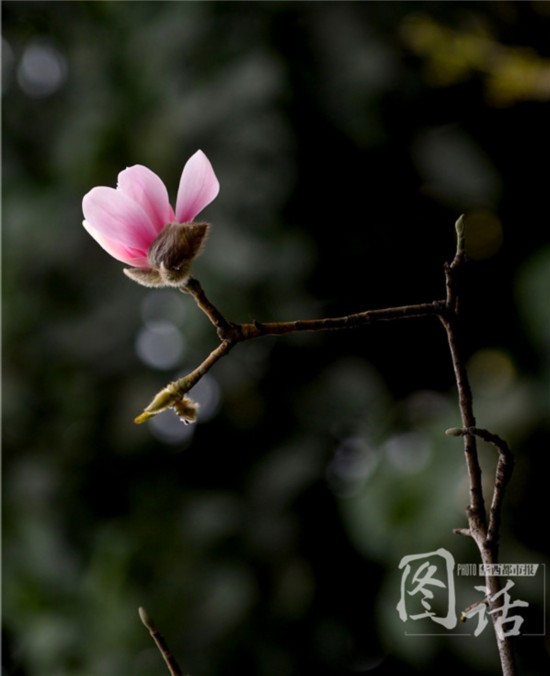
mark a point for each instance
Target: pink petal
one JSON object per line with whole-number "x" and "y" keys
{"x": 146, "y": 188}
{"x": 134, "y": 257}
{"x": 198, "y": 187}
{"x": 119, "y": 218}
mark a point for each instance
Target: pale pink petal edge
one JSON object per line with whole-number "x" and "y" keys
{"x": 148, "y": 190}
{"x": 118, "y": 218}
{"x": 198, "y": 187}
{"x": 135, "y": 258}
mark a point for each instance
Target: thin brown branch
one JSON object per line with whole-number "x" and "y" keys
{"x": 477, "y": 518}
{"x": 503, "y": 474}
{"x": 193, "y": 287}
{"x": 160, "y": 642}
{"x": 353, "y": 321}
{"x": 485, "y": 537}
{"x": 231, "y": 334}
{"x": 453, "y": 269}
{"x": 476, "y": 508}
{"x": 173, "y": 392}
{"x": 483, "y": 531}
{"x": 239, "y": 332}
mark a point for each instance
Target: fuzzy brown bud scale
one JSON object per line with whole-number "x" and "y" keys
{"x": 170, "y": 255}
{"x": 186, "y": 409}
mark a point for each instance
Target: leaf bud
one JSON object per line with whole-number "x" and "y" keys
{"x": 456, "y": 432}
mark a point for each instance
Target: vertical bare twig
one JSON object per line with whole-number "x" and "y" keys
{"x": 485, "y": 536}
{"x": 450, "y": 320}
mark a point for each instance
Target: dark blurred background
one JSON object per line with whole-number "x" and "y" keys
{"x": 347, "y": 138}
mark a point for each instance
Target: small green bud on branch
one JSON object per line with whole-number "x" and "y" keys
{"x": 456, "y": 432}
{"x": 166, "y": 398}
{"x": 172, "y": 396}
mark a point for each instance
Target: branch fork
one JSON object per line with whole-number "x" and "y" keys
{"x": 482, "y": 528}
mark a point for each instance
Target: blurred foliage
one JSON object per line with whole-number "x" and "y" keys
{"x": 347, "y": 138}
{"x": 511, "y": 73}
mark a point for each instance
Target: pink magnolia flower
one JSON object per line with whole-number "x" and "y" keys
{"x": 135, "y": 223}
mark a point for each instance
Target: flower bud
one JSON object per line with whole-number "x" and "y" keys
{"x": 170, "y": 255}
{"x": 135, "y": 223}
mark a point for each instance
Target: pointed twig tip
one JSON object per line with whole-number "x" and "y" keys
{"x": 143, "y": 417}
{"x": 145, "y": 617}
{"x": 455, "y": 432}
{"x": 460, "y": 227}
